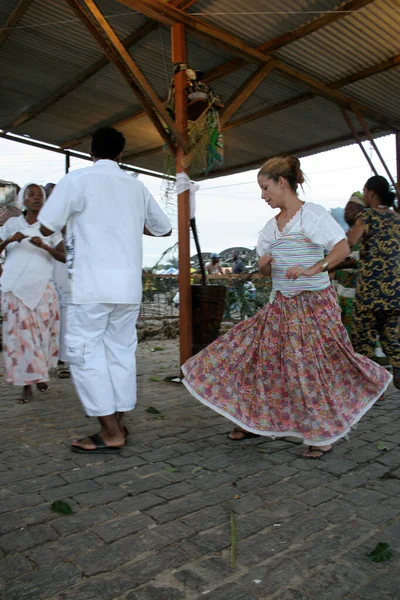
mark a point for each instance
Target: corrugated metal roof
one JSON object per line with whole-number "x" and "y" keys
{"x": 50, "y": 48}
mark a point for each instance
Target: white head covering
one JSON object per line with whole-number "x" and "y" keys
{"x": 357, "y": 198}
{"x": 21, "y": 194}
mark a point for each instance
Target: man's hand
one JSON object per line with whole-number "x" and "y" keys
{"x": 17, "y": 237}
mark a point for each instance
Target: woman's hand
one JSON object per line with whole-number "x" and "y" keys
{"x": 37, "y": 241}
{"x": 17, "y": 237}
{"x": 295, "y": 272}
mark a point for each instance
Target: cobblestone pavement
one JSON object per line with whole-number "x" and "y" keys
{"x": 155, "y": 522}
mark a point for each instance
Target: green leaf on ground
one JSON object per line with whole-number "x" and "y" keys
{"x": 61, "y": 507}
{"x": 157, "y": 349}
{"x": 260, "y": 449}
{"x": 152, "y": 410}
{"x": 381, "y": 446}
{"x": 233, "y": 540}
{"x": 171, "y": 469}
{"x": 154, "y": 378}
{"x": 197, "y": 469}
{"x": 381, "y": 553}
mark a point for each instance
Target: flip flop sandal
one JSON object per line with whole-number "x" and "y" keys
{"x": 101, "y": 447}
{"x": 313, "y": 449}
{"x": 246, "y": 434}
{"x": 63, "y": 373}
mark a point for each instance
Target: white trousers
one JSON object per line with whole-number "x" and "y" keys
{"x": 101, "y": 344}
{"x": 62, "y": 351}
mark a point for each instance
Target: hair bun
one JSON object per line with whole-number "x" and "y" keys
{"x": 294, "y": 164}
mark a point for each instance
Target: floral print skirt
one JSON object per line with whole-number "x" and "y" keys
{"x": 30, "y": 338}
{"x": 288, "y": 371}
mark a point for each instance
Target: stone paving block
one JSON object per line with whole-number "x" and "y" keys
{"x": 191, "y": 580}
{"x": 273, "y": 577}
{"x": 17, "y": 541}
{"x": 98, "y": 588}
{"x": 14, "y": 566}
{"x": 338, "y": 466}
{"x": 146, "y": 484}
{"x": 231, "y": 591}
{"x": 83, "y": 473}
{"x": 160, "y": 455}
{"x": 13, "y": 521}
{"x": 177, "y": 508}
{"x": 39, "y": 484}
{"x": 364, "y": 497}
{"x": 65, "y": 549}
{"x": 121, "y": 527}
{"x": 210, "y": 480}
{"x": 42, "y": 584}
{"x": 317, "y": 496}
{"x": 151, "y": 592}
{"x": 131, "y": 504}
{"x": 69, "y": 490}
{"x": 245, "y": 503}
{"x": 337, "y": 510}
{"x": 313, "y": 479}
{"x": 331, "y": 584}
{"x": 144, "y": 570}
{"x": 280, "y": 491}
{"x": 207, "y": 518}
{"x": 51, "y": 467}
{"x": 256, "y": 482}
{"x": 206, "y": 542}
{"x": 110, "y": 556}
{"x": 101, "y": 496}
{"x": 176, "y": 490}
{"x": 84, "y": 519}
{"x": 165, "y": 535}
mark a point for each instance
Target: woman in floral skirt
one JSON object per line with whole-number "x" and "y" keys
{"x": 291, "y": 370}
{"x": 29, "y": 299}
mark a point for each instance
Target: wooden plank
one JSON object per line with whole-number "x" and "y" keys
{"x": 398, "y": 157}
{"x": 122, "y": 53}
{"x": 358, "y": 140}
{"x": 61, "y": 92}
{"x": 17, "y": 13}
{"x": 245, "y": 90}
{"x": 179, "y": 55}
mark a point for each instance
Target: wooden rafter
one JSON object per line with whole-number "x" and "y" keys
{"x": 357, "y": 138}
{"x": 17, "y": 13}
{"x": 245, "y": 90}
{"x": 287, "y": 38}
{"x": 301, "y": 151}
{"x": 102, "y": 32}
{"x": 390, "y": 63}
{"x": 61, "y": 92}
{"x": 233, "y": 65}
{"x": 169, "y": 15}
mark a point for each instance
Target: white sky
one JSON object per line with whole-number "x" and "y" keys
{"x": 230, "y": 211}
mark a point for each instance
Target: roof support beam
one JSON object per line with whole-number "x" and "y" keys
{"x": 60, "y": 93}
{"x": 17, "y": 13}
{"x": 302, "y": 151}
{"x": 245, "y": 90}
{"x": 358, "y": 140}
{"x": 169, "y": 15}
{"x": 112, "y": 46}
{"x": 375, "y": 147}
{"x": 236, "y": 64}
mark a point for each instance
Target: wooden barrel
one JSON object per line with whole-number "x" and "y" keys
{"x": 208, "y": 303}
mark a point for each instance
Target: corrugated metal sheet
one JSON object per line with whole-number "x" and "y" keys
{"x": 50, "y": 48}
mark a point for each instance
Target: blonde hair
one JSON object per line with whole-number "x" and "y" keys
{"x": 287, "y": 167}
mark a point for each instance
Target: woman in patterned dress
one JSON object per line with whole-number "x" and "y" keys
{"x": 29, "y": 299}
{"x": 376, "y": 308}
{"x": 290, "y": 370}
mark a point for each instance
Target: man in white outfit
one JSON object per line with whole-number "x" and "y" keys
{"x": 106, "y": 212}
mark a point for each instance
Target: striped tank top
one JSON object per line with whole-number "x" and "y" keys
{"x": 291, "y": 250}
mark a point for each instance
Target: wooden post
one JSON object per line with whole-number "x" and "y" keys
{"x": 67, "y": 162}
{"x": 398, "y": 160}
{"x": 185, "y": 295}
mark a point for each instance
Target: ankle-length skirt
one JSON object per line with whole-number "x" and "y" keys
{"x": 30, "y": 338}
{"x": 288, "y": 371}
